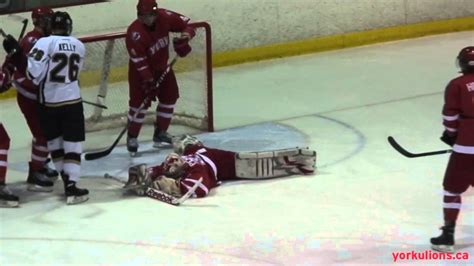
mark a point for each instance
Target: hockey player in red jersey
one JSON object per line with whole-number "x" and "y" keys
{"x": 147, "y": 42}
{"x": 179, "y": 173}
{"x": 7, "y": 199}
{"x": 40, "y": 176}
{"x": 458, "y": 119}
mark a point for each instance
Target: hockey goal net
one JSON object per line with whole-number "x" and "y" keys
{"x": 105, "y": 74}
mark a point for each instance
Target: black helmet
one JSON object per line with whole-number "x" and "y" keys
{"x": 61, "y": 23}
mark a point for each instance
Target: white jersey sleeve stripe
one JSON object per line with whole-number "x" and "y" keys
{"x": 200, "y": 186}
{"x": 450, "y": 117}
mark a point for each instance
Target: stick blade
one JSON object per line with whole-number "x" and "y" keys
{"x": 96, "y": 155}
{"x": 408, "y": 154}
{"x": 399, "y": 148}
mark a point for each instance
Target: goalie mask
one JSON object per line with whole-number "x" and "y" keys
{"x": 465, "y": 59}
{"x": 174, "y": 166}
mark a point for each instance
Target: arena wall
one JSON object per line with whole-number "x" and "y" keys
{"x": 248, "y": 30}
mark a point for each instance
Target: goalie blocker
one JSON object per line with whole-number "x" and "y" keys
{"x": 199, "y": 168}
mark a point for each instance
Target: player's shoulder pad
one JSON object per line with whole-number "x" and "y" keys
{"x": 172, "y": 14}
{"x": 135, "y": 31}
{"x": 30, "y": 38}
{"x": 42, "y": 43}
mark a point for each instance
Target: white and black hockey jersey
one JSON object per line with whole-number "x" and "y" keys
{"x": 54, "y": 64}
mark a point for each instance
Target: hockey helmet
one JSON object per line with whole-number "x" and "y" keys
{"x": 174, "y": 165}
{"x": 41, "y": 17}
{"x": 61, "y": 23}
{"x": 146, "y": 7}
{"x": 147, "y": 12}
{"x": 465, "y": 59}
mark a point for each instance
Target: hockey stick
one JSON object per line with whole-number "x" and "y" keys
{"x": 95, "y": 104}
{"x": 408, "y": 154}
{"x": 23, "y": 29}
{"x": 22, "y": 32}
{"x": 99, "y": 154}
{"x": 164, "y": 197}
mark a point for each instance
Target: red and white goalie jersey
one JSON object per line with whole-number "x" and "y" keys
{"x": 212, "y": 165}
{"x": 215, "y": 165}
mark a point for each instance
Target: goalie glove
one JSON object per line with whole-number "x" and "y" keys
{"x": 138, "y": 179}
{"x": 180, "y": 143}
{"x": 181, "y": 46}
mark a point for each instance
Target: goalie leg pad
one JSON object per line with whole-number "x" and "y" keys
{"x": 268, "y": 164}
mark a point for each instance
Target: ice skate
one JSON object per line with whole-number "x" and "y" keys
{"x": 74, "y": 195}
{"x": 162, "y": 139}
{"x": 444, "y": 242}
{"x": 132, "y": 146}
{"x": 7, "y": 199}
{"x": 38, "y": 182}
{"x": 49, "y": 172}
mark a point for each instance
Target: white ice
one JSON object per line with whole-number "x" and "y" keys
{"x": 365, "y": 202}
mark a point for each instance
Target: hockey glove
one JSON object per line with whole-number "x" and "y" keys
{"x": 11, "y": 46}
{"x": 448, "y": 138}
{"x": 5, "y": 82}
{"x": 150, "y": 92}
{"x": 181, "y": 46}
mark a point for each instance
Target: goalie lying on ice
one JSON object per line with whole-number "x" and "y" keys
{"x": 192, "y": 161}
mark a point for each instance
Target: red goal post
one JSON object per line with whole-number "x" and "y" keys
{"x": 105, "y": 74}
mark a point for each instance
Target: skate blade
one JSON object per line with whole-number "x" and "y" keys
{"x": 9, "y": 204}
{"x": 162, "y": 145}
{"x": 443, "y": 248}
{"x": 71, "y": 200}
{"x": 36, "y": 188}
{"x": 52, "y": 178}
{"x": 133, "y": 154}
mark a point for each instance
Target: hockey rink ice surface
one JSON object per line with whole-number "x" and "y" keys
{"x": 366, "y": 202}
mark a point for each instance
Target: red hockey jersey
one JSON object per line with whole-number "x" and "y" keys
{"x": 22, "y": 84}
{"x": 149, "y": 48}
{"x": 458, "y": 112}
{"x": 197, "y": 166}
